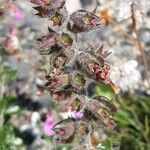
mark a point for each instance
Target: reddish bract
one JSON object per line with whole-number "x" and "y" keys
{"x": 84, "y": 21}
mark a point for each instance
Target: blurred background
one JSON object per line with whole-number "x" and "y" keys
{"x": 24, "y": 102}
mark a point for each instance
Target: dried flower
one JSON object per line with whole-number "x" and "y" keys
{"x": 84, "y": 21}
{"x": 71, "y": 70}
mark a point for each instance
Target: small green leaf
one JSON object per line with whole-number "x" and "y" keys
{"x": 7, "y": 74}
{"x": 66, "y": 39}
{"x": 107, "y": 144}
{"x": 4, "y": 103}
{"x": 125, "y": 119}
{"x": 104, "y": 90}
{"x": 147, "y": 128}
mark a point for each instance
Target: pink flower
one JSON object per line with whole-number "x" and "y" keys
{"x": 78, "y": 115}
{"x": 48, "y": 125}
{"x": 19, "y": 15}
{"x": 15, "y": 12}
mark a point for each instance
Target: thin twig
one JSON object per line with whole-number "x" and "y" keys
{"x": 129, "y": 37}
{"x": 139, "y": 45}
{"x": 132, "y": 40}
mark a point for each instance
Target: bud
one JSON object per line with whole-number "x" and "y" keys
{"x": 57, "y": 19}
{"x": 78, "y": 82}
{"x": 66, "y": 40}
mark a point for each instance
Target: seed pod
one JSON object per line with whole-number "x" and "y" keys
{"x": 83, "y": 129}
{"x": 73, "y": 104}
{"x": 100, "y": 107}
{"x": 96, "y": 69}
{"x": 59, "y": 61}
{"x": 51, "y": 13}
{"x": 97, "y": 117}
{"x": 77, "y": 103}
{"x": 65, "y": 130}
{"x": 84, "y": 21}
{"x": 68, "y": 130}
{"x": 48, "y": 44}
{"x": 86, "y": 57}
{"x": 106, "y": 103}
{"x": 61, "y": 95}
{"x": 99, "y": 73}
{"x": 63, "y": 58}
{"x": 47, "y": 40}
{"x": 90, "y": 65}
{"x": 58, "y": 82}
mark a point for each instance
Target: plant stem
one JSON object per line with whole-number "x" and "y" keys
{"x": 1, "y": 97}
{"x": 138, "y": 43}
{"x": 133, "y": 40}
{"x": 89, "y": 145}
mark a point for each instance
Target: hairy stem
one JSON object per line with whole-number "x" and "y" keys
{"x": 89, "y": 146}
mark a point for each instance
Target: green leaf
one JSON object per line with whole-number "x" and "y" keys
{"x": 2, "y": 51}
{"x": 147, "y": 128}
{"x": 104, "y": 90}
{"x": 66, "y": 39}
{"x": 124, "y": 118}
{"x": 5, "y": 133}
{"x": 107, "y": 144}
{"x": 4, "y": 103}
{"x": 63, "y": 147}
{"x": 7, "y": 74}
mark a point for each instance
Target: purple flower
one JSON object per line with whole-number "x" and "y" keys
{"x": 48, "y": 125}
{"x": 19, "y": 15}
{"x": 15, "y": 12}
{"x": 78, "y": 115}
